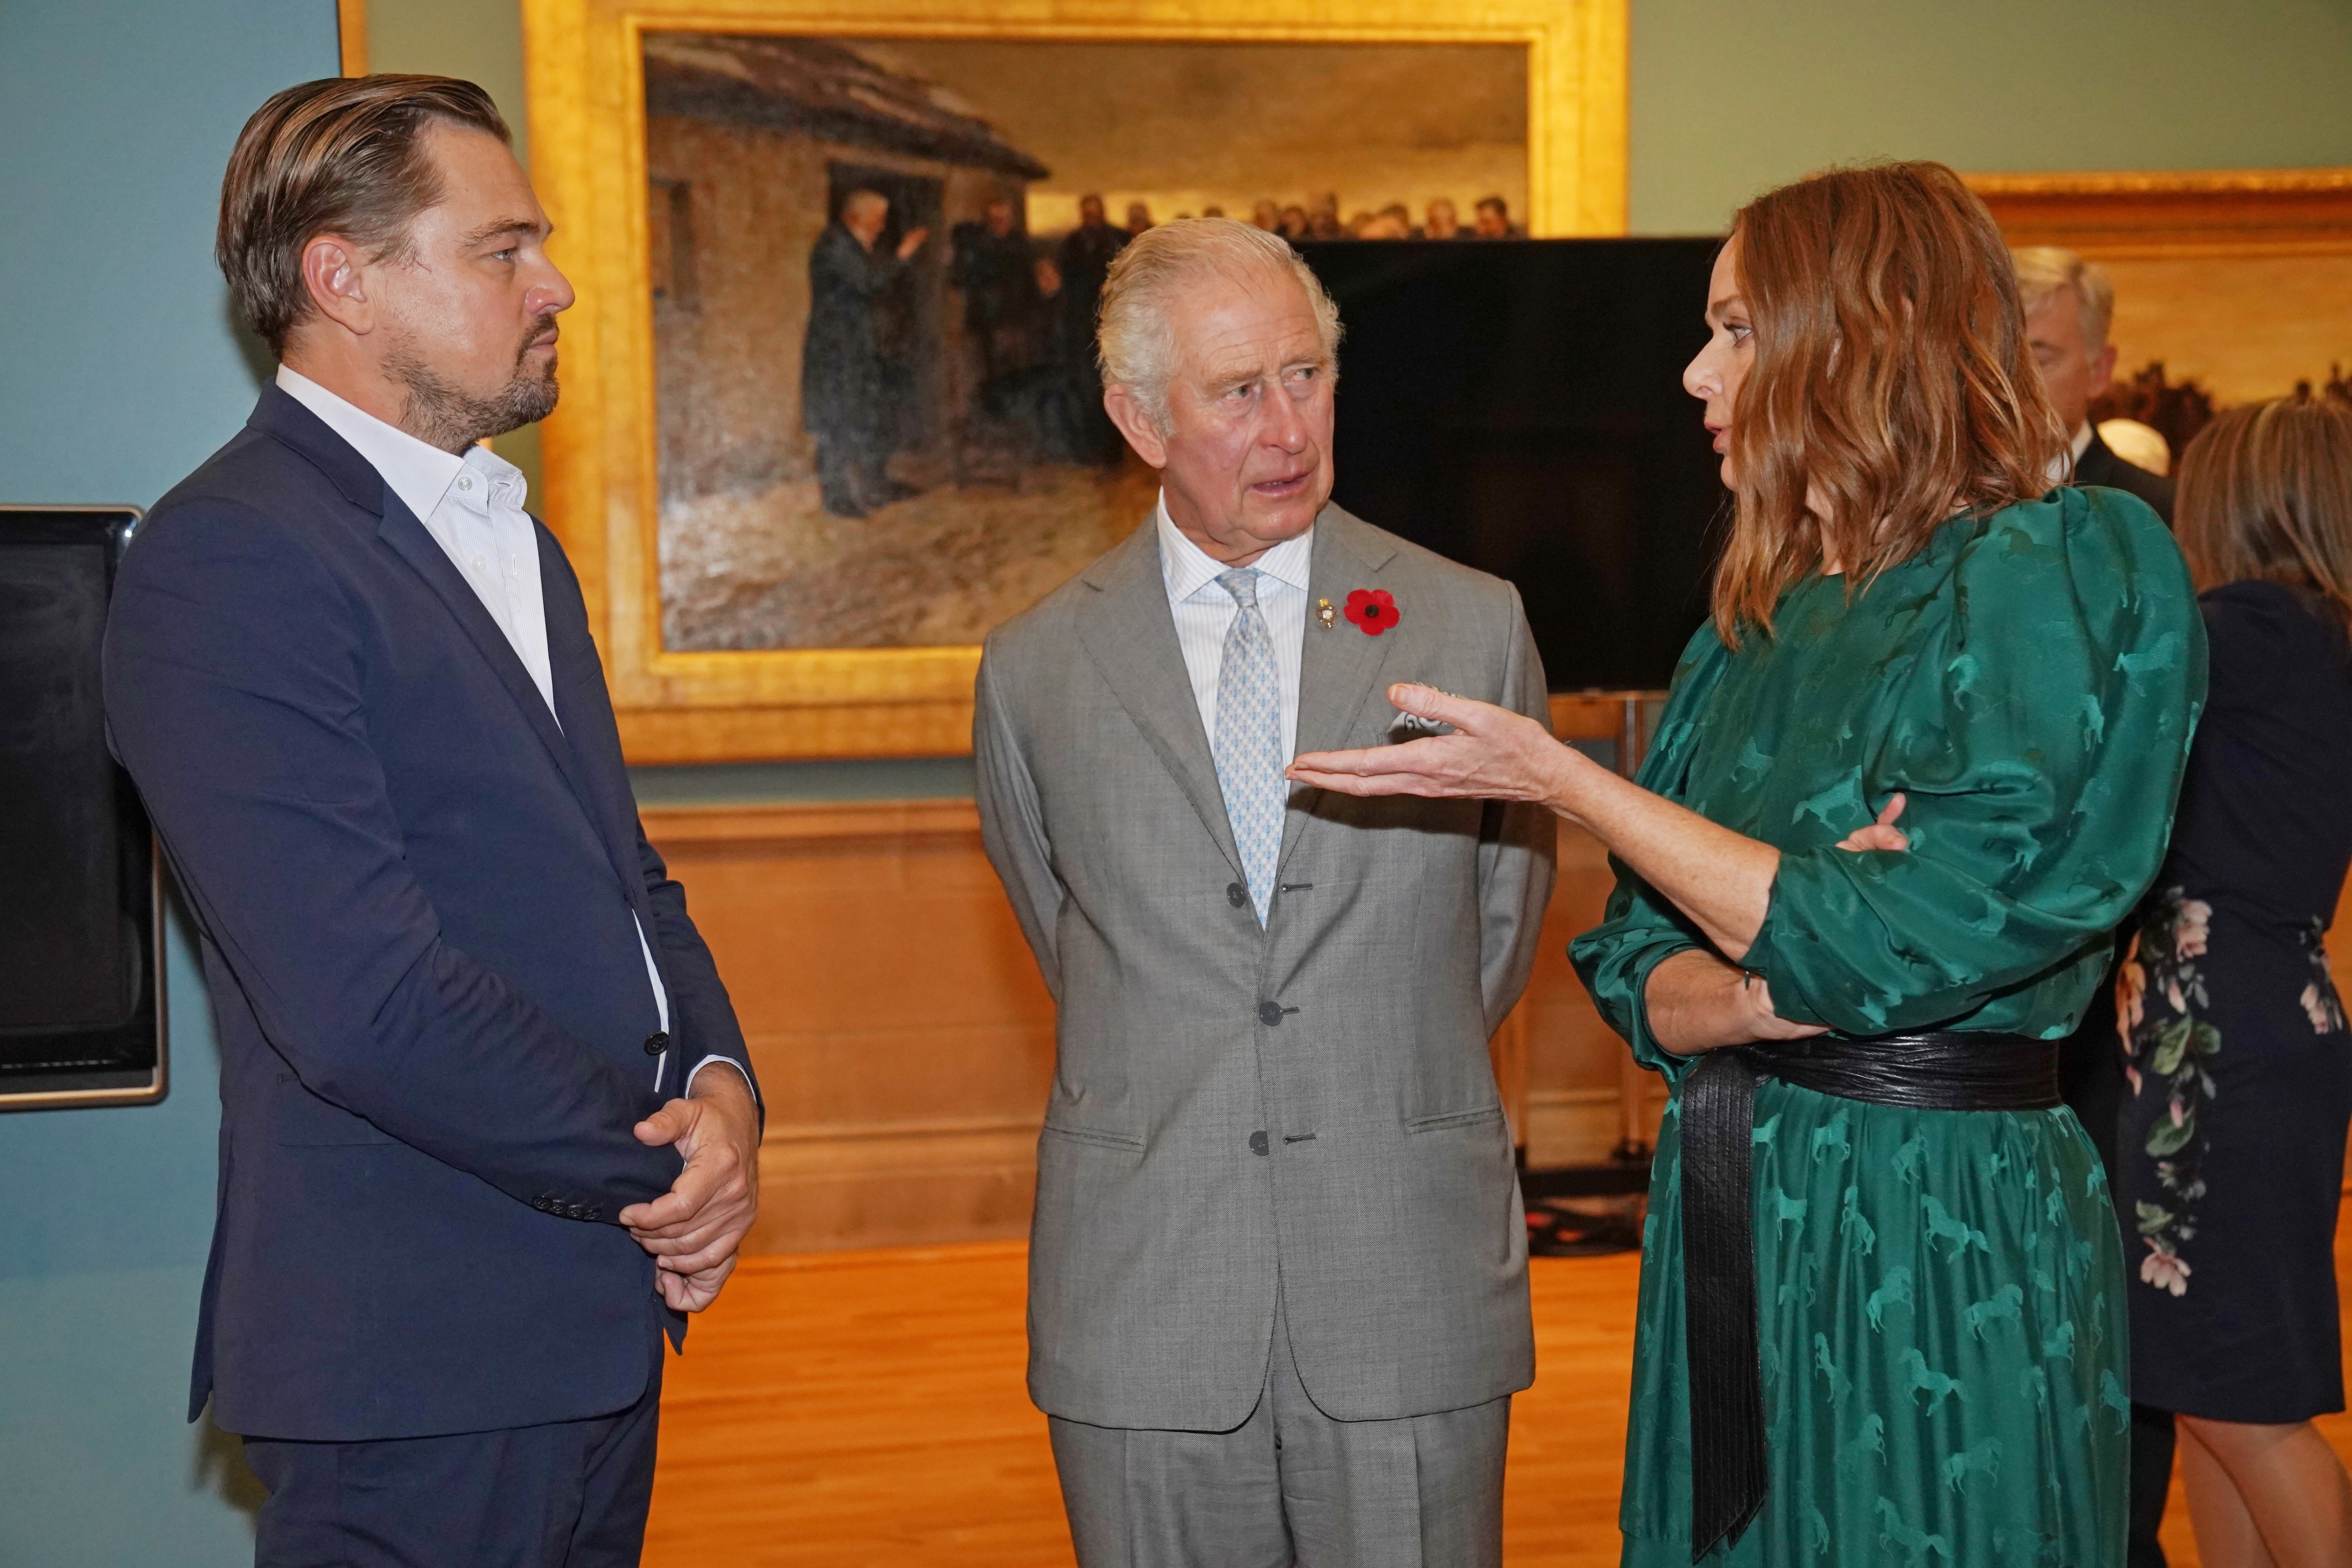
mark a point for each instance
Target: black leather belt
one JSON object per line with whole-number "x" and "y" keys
{"x": 1933, "y": 1071}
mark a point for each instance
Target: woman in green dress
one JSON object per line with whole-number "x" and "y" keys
{"x": 1920, "y": 764}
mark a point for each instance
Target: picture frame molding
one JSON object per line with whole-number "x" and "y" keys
{"x": 584, "y": 68}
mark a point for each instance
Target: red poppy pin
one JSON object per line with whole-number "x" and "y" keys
{"x": 1372, "y": 609}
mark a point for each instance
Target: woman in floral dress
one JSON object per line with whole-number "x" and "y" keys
{"x": 2235, "y": 1052}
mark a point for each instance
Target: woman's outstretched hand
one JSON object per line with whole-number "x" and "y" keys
{"x": 1492, "y": 755}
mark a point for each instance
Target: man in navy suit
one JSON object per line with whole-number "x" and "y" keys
{"x": 489, "y": 1127}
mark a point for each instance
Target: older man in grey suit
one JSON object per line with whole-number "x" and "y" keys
{"x": 1277, "y": 1300}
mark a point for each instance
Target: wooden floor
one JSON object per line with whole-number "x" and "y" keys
{"x": 850, "y": 1409}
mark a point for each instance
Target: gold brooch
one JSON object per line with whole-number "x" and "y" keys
{"x": 1326, "y": 613}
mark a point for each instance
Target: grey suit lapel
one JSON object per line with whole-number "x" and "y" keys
{"x": 1338, "y": 668}
{"x": 1131, "y": 637}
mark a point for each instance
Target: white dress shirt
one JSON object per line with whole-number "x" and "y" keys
{"x": 2062, "y": 469}
{"x": 1204, "y": 612}
{"x": 473, "y": 507}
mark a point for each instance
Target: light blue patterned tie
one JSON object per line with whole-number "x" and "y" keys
{"x": 1248, "y": 744}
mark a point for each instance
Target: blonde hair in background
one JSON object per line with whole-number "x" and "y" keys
{"x": 1136, "y": 341}
{"x": 2044, "y": 270}
{"x": 1893, "y": 385}
{"x": 2266, "y": 493}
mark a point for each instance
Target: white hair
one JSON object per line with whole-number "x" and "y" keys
{"x": 863, "y": 200}
{"x": 1136, "y": 341}
{"x": 2044, "y": 270}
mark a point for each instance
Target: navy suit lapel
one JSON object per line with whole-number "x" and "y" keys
{"x": 1131, "y": 635}
{"x": 586, "y": 712}
{"x": 284, "y": 418}
{"x": 402, "y": 530}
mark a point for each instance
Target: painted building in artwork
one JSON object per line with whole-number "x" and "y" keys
{"x": 750, "y": 144}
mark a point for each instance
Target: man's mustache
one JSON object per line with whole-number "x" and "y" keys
{"x": 540, "y": 327}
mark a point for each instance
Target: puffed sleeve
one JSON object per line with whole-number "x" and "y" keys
{"x": 1640, "y": 929}
{"x": 2039, "y": 733}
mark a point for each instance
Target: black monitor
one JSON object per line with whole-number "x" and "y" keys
{"x": 81, "y": 995}
{"x": 1518, "y": 405}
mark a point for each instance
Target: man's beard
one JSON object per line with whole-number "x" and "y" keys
{"x": 443, "y": 416}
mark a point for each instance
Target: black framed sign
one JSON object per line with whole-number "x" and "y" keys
{"x": 81, "y": 987}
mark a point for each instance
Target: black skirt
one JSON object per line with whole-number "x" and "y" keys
{"x": 2230, "y": 1163}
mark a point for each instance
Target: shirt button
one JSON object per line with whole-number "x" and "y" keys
{"x": 477, "y": 562}
{"x": 465, "y": 482}
{"x": 1269, "y": 1014}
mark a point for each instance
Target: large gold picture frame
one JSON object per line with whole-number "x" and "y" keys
{"x": 583, "y": 62}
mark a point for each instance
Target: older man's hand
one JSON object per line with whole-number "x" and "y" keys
{"x": 693, "y": 1229}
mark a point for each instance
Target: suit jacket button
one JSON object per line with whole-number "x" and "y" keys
{"x": 1257, "y": 1142}
{"x": 1236, "y": 895}
{"x": 1269, "y": 1014}
{"x": 657, "y": 1042}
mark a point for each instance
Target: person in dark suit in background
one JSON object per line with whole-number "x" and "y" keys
{"x": 846, "y": 398}
{"x": 2069, "y": 304}
{"x": 489, "y": 1127}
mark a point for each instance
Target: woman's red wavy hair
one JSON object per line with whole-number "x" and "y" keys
{"x": 1892, "y": 388}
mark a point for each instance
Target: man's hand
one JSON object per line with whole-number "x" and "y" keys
{"x": 693, "y": 1229}
{"x": 911, "y": 242}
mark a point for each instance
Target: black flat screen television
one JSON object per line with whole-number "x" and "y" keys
{"x": 1518, "y": 405}
{"x": 81, "y": 1007}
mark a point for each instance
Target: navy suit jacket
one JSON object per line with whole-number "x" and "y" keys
{"x": 415, "y": 892}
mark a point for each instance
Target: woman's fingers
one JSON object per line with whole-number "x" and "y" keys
{"x": 1465, "y": 714}
{"x": 1881, "y": 834}
{"x": 1407, "y": 768}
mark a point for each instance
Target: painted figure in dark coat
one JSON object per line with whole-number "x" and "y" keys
{"x": 1084, "y": 263}
{"x": 844, "y": 387}
{"x": 997, "y": 272}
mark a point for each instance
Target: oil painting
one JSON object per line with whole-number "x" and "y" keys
{"x": 874, "y": 266}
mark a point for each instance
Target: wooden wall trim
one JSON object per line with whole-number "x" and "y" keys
{"x": 2217, "y": 212}
{"x": 790, "y": 822}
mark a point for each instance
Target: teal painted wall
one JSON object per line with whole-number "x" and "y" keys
{"x": 122, "y": 372}
{"x": 1732, "y": 97}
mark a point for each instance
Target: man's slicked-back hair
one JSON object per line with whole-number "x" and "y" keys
{"x": 1137, "y": 348}
{"x": 343, "y": 155}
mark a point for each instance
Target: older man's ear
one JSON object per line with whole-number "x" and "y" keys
{"x": 1126, "y": 412}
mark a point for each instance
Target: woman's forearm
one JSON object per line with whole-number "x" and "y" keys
{"x": 1721, "y": 880}
{"x": 1697, "y": 1002}
{"x": 1693, "y": 1003}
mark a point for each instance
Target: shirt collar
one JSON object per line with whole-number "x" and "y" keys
{"x": 2083, "y": 440}
{"x": 1186, "y": 568}
{"x": 418, "y": 473}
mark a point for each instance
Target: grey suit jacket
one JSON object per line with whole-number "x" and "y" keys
{"x": 1310, "y": 1105}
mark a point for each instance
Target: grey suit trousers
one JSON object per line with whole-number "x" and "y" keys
{"x": 1289, "y": 1485}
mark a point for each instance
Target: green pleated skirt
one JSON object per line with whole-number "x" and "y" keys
{"x": 1940, "y": 1305}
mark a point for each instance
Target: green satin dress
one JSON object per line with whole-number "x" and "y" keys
{"x": 1940, "y": 1294}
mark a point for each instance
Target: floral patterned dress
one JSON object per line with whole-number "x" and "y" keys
{"x": 2237, "y": 1062}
